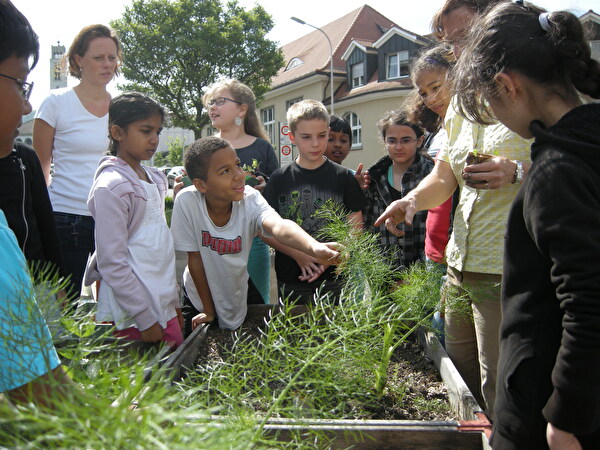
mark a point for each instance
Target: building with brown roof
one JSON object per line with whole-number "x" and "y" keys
{"x": 591, "y": 24}
{"x": 370, "y": 71}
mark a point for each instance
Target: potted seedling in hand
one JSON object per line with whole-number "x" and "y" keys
{"x": 251, "y": 173}
{"x": 476, "y": 157}
{"x": 473, "y": 158}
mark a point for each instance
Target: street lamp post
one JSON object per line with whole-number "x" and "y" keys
{"x": 330, "y": 56}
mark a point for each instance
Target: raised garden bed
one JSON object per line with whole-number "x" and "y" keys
{"x": 469, "y": 428}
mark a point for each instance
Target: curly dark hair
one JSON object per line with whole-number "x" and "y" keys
{"x": 198, "y": 155}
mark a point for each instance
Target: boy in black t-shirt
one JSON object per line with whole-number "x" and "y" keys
{"x": 297, "y": 191}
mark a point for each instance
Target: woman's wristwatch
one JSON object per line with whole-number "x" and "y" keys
{"x": 519, "y": 172}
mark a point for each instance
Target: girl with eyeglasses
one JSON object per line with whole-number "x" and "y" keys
{"x": 392, "y": 177}
{"x": 70, "y": 130}
{"x": 232, "y": 110}
{"x": 530, "y": 69}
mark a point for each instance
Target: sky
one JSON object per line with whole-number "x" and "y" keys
{"x": 60, "y": 20}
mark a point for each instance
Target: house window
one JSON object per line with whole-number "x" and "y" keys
{"x": 291, "y": 102}
{"x": 294, "y": 62}
{"x": 267, "y": 116}
{"x": 396, "y": 64}
{"x": 211, "y": 131}
{"x": 358, "y": 74}
{"x": 356, "y": 128}
{"x": 595, "y": 46}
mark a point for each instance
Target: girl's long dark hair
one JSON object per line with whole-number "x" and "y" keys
{"x": 510, "y": 38}
{"x": 398, "y": 117}
{"x": 128, "y": 108}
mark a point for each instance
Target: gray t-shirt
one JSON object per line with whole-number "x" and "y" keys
{"x": 224, "y": 250}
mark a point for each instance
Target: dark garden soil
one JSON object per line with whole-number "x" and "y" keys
{"x": 414, "y": 389}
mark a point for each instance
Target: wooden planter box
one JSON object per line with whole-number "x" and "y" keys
{"x": 470, "y": 432}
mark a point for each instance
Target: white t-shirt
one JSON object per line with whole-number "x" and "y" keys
{"x": 224, "y": 250}
{"x": 151, "y": 255}
{"x": 80, "y": 140}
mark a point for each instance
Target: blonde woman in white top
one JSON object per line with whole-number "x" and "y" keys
{"x": 71, "y": 130}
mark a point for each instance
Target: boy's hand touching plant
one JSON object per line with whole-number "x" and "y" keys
{"x": 290, "y": 239}
{"x": 309, "y": 267}
{"x": 327, "y": 253}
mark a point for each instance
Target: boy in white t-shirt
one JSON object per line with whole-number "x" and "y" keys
{"x": 214, "y": 221}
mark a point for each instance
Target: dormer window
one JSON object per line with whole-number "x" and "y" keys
{"x": 295, "y": 62}
{"x": 396, "y": 64}
{"x": 595, "y": 46}
{"x": 358, "y": 74}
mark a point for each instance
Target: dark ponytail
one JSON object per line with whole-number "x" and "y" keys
{"x": 511, "y": 37}
{"x": 572, "y": 48}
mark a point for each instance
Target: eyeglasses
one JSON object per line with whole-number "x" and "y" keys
{"x": 26, "y": 87}
{"x": 393, "y": 142}
{"x": 220, "y": 101}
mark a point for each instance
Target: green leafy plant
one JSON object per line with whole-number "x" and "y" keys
{"x": 251, "y": 170}
{"x": 176, "y": 49}
{"x": 160, "y": 159}
{"x": 176, "y": 148}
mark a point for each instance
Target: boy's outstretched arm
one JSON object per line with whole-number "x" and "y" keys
{"x": 310, "y": 269}
{"x": 196, "y": 268}
{"x": 289, "y": 233}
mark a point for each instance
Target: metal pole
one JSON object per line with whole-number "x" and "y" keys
{"x": 330, "y": 57}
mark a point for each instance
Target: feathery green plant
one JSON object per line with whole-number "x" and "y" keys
{"x": 102, "y": 369}
{"x": 325, "y": 363}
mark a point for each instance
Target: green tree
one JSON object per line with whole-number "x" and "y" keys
{"x": 175, "y": 157}
{"x": 160, "y": 159}
{"x": 173, "y": 50}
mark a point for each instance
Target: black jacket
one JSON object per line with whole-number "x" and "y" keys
{"x": 26, "y": 205}
{"x": 549, "y": 367}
